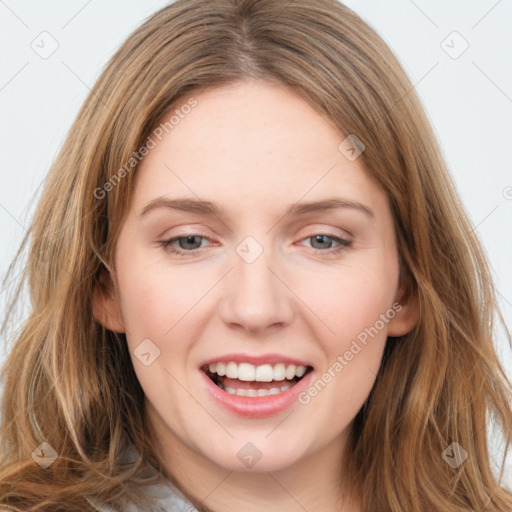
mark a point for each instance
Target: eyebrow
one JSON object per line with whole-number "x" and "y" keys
{"x": 211, "y": 209}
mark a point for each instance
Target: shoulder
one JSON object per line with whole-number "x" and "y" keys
{"x": 165, "y": 497}
{"x": 169, "y": 498}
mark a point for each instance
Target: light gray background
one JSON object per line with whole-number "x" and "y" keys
{"x": 468, "y": 98}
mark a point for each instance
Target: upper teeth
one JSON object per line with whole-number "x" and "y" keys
{"x": 262, "y": 373}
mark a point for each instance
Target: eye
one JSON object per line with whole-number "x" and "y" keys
{"x": 189, "y": 243}
{"x": 325, "y": 239}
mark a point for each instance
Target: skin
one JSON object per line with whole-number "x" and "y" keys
{"x": 255, "y": 149}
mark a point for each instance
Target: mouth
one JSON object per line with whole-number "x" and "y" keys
{"x": 247, "y": 380}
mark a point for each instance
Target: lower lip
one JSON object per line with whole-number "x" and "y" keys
{"x": 257, "y": 407}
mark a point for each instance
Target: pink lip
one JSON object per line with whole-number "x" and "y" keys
{"x": 256, "y": 360}
{"x": 256, "y": 407}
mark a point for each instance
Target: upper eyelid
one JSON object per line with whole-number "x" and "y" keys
{"x": 330, "y": 231}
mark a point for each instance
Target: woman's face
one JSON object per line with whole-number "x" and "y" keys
{"x": 288, "y": 257}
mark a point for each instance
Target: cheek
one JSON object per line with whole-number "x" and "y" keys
{"x": 351, "y": 300}
{"x": 356, "y": 304}
{"x": 358, "y": 309}
{"x": 145, "y": 307}
{"x": 153, "y": 299}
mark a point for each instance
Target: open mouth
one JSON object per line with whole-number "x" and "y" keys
{"x": 247, "y": 380}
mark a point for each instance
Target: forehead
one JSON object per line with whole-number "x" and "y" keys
{"x": 253, "y": 142}
{"x": 253, "y": 119}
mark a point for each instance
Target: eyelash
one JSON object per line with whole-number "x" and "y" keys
{"x": 167, "y": 244}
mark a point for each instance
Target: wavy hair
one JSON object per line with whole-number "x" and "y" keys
{"x": 70, "y": 382}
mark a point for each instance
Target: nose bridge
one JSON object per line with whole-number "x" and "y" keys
{"x": 255, "y": 298}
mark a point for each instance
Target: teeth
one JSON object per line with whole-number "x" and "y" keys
{"x": 262, "y": 373}
{"x": 280, "y": 371}
{"x": 220, "y": 369}
{"x": 291, "y": 370}
{"x": 255, "y": 392}
{"x": 246, "y": 372}
{"x": 247, "y": 392}
{"x": 232, "y": 371}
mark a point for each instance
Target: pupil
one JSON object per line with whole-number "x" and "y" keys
{"x": 189, "y": 240}
{"x": 321, "y": 239}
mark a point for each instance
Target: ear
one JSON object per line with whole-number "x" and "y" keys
{"x": 105, "y": 305}
{"x": 407, "y": 312}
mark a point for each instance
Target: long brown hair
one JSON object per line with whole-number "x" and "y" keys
{"x": 70, "y": 383}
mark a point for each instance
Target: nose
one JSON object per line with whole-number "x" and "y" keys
{"x": 255, "y": 296}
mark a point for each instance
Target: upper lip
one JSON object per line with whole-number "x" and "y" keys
{"x": 256, "y": 360}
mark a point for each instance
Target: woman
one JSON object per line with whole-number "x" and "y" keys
{"x": 259, "y": 368}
